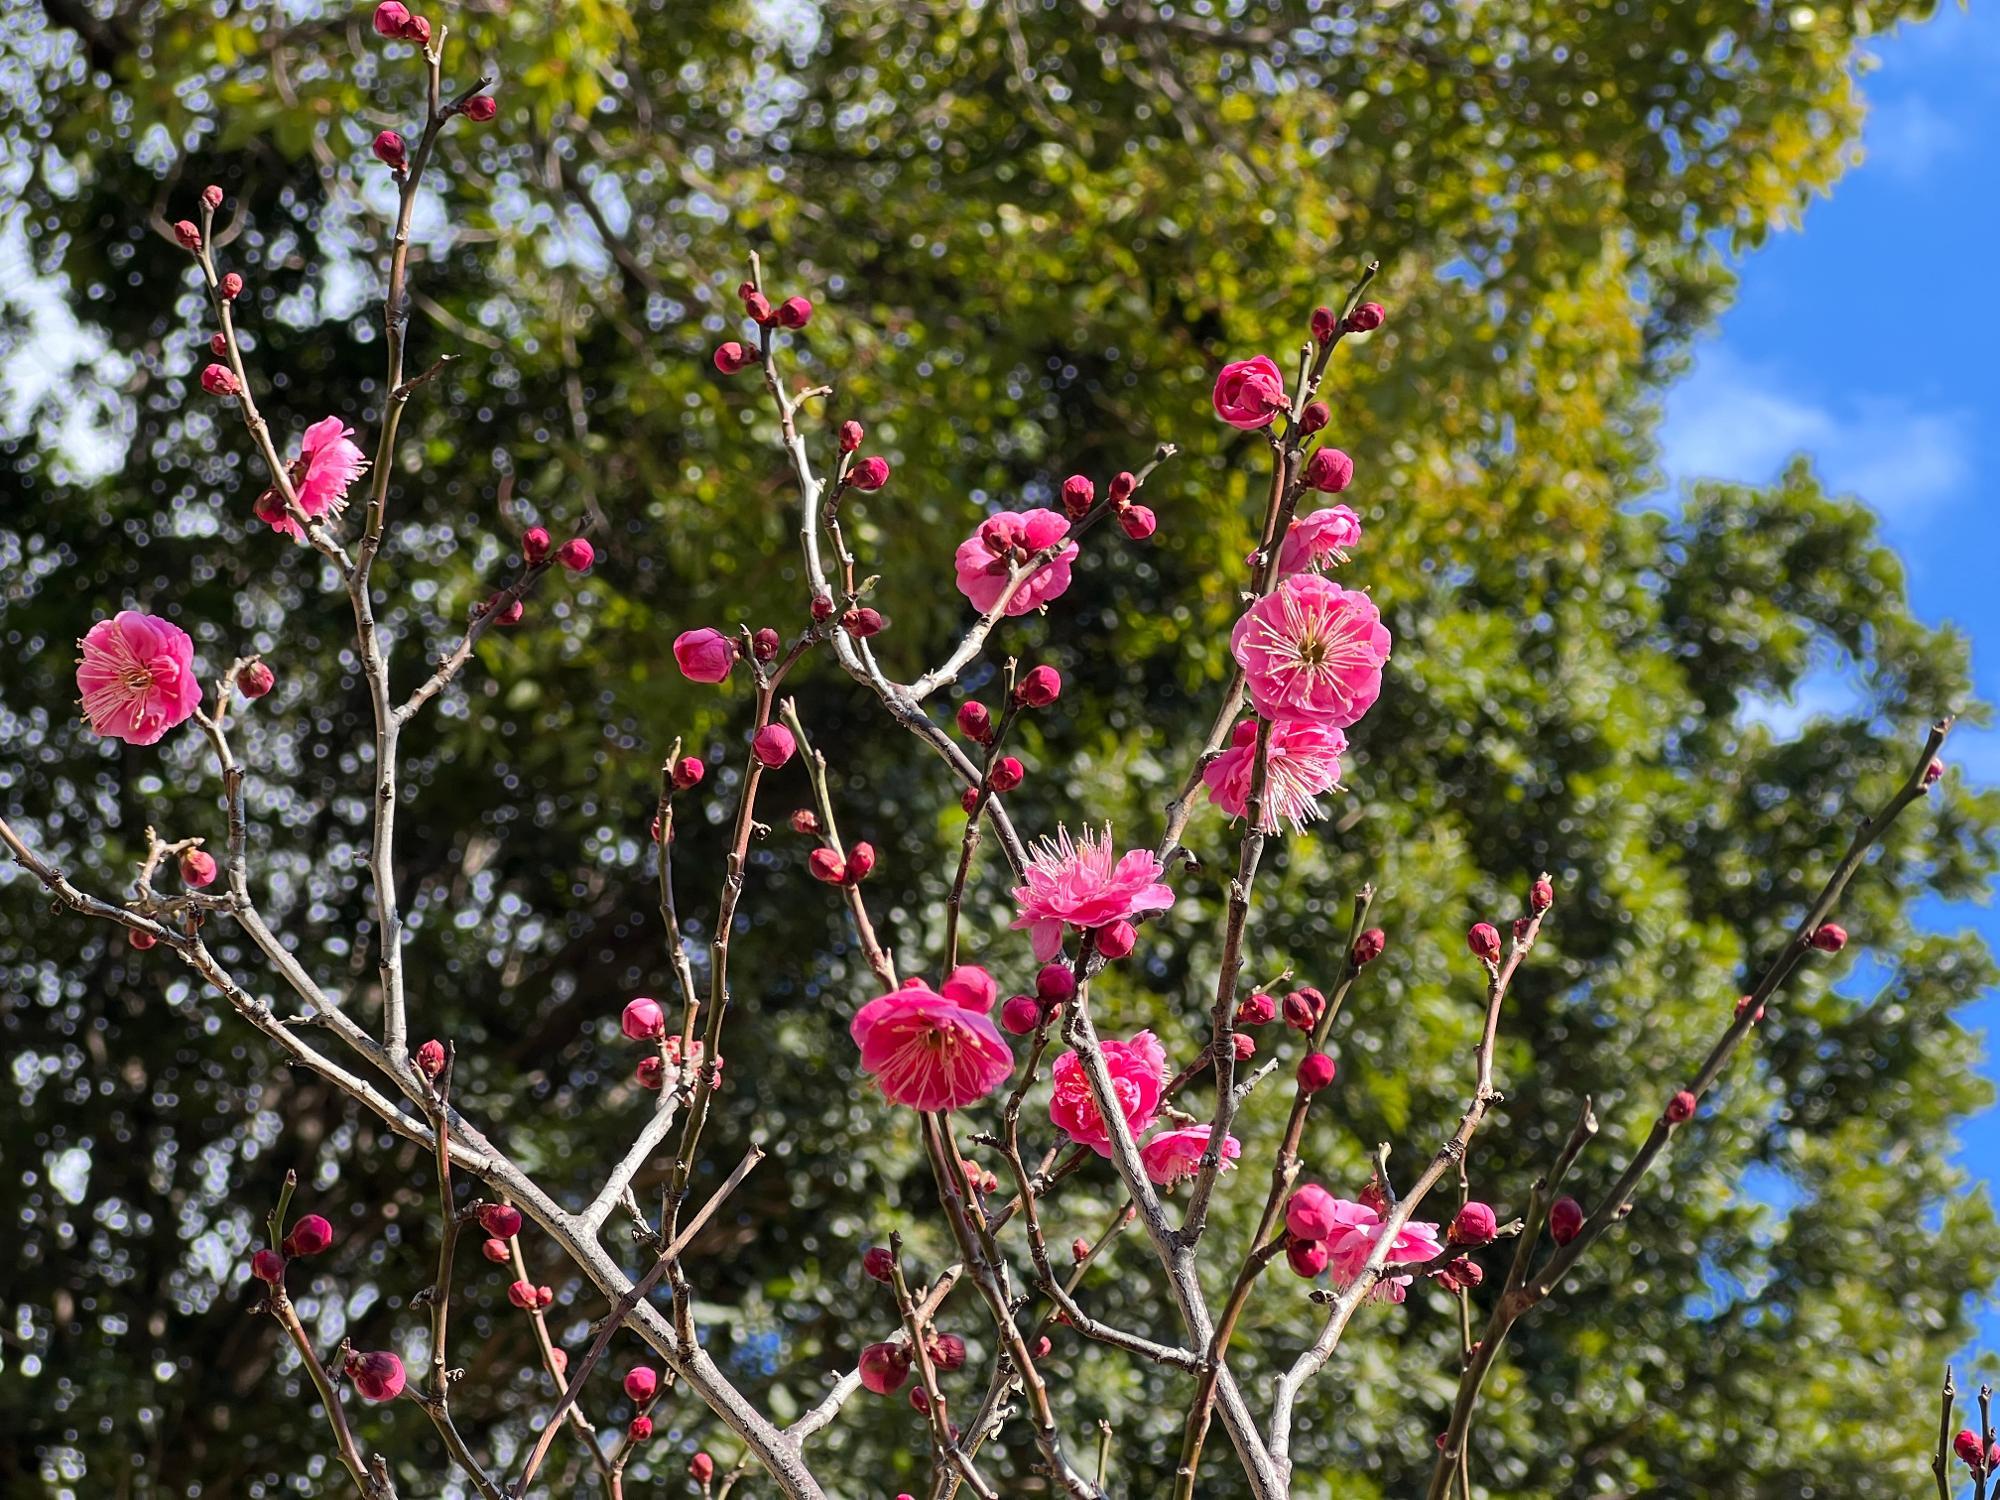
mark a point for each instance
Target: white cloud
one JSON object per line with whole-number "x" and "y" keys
{"x": 1736, "y": 421}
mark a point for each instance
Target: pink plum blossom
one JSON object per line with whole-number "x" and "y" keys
{"x": 1303, "y": 762}
{"x": 986, "y": 559}
{"x": 1250, "y": 393}
{"x": 1174, "y": 1154}
{"x": 136, "y": 677}
{"x": 329, "y": 462}
{"x": 1312, "y": 650}
{"x": 1138, "y": 1071}
{"x": 1086, "y": 885}
{"x": 1313, "y": 541}
{"x": 704, "y": 655}
{"x": 930, "y": 1052}
{"x": 1358, "y": 1229}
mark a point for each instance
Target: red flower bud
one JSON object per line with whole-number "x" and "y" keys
{"x": 1244, "y": 1046}
{"x": 765, "y": 644}
{"x": 1123, "y": 484}
{"x": 1007, "y": 773}
{"x": 884, "y": 1368}
{"x": 268, "y": 1266}
{"x": 1323, "y": 323}
{"x": 481, "y": 107}
{"x": 1137, "y": 521}
{"x": 543, "y": 1296}
{"x": 505, "y": 611}
{"x": 1020, "y": 1015}
{"x": 1306, "y": 1257}
{"x": 1316, "y": 415}
{"x": 501, "y": 1220}
{"x": 496, "y": 1251}
{"x": 1475, "y": 1225}
{"x": 1968, "y": 1447}
{"x": 1368, "y": 947}
{"x": 773, "y": 746}
{"x": 1118, "y": 939}
{"x": 1039, "y": 688}
{"x": 1680, "y": 1108}
{"x": 870, "y": 474}
{"x": 377, "y": 1376}
{"x": 1484, "y": 942}
{"x": 255, "y": 680}
{"x": 947, "y": 1351}
{"x": 822, "y": 607}
{"x": 851, "y": 433}
{"x": 390, "y": 18}
{"x": 218, "y": 346}
{"x": 1829, "y": 937}
{"x": 417, "y": 30}
{"x": 1042, "y": 1347}
{"x": 232, "y": 286}
{"x": 197, "y": 868}
{"x": 1257, "y": 1010}
{"x": 430, "y": 1058}
{"x": 1316, "y": 1071}
{"x": 188, "y": 236}
{"x": 1366, "y": 318}
{"x": 219, "y": 380}
{"x": 211, "y": 197}
{"x": 650, "y": 1075}
{"x": 1461, "y": 1274}
{"x": 879, "y": 1264}
{"x": 1933, "y": 773}
{"x": 140, "y": 940}
{"x": 1303, "y": 1008}
{"x": 860, "y": 863}
{"x": 732, "y": 357}
{"x": 1541, "y": 895}
{"x": 861, "y": 623}
{"x": 702, "y": 1467}
{"x": 1329, "y": 470}
{"x": 641, "y": 1384}
{"x": 974, "y": 722}
{"x": 309, "y": 1236}
{"x": 1078, "y": 495}
{"x": 794, "y": 312}
{"x": 827, "y": 866}
{"x": 1565, "y": 1220}
{"x": 758, "y": 306}
{"x": 688, "y": 771}
{"x": 391, "y": 152}
{"x": 643, "y": 1020}
{"x": 1054, "y": 984}
{"x": 576, "y": 554}
{"x": 1079, "y": 1249}
{"x": 639, "y": 1428}
{"x": 1743, "y": 1004}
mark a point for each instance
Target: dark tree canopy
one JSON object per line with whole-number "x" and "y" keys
{"x": 1033, "y": 231}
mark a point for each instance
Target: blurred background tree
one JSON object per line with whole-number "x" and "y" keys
{"x": 1034, "y": 230}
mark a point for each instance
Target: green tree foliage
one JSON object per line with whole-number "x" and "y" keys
{"x": 1034, "y": 230}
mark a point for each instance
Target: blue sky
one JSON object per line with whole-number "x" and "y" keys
{"x": 1868, "y": 341}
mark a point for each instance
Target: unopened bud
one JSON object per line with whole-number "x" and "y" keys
{"x": 1137, "y": 521}
{"x": 851, "y": 434}
{"x": 1680, "y": 1108}
{"x": 794, "y": 312}
{"x": 219, "y": 380}
{"x": 1366, "y": 318}
{"x": 1829, "y": 937}
{"x": 1078, "y": 494}
{"x": 1565, "y": 1220}
{"x": 188, "y": 236}
{"x": 731, "y": 357}
{"x": 197, "y": 868}
{"x": 1329, "y": 470}
{"x": 232, "y": 286}
{"x": 1039, "y": 688}
{"x": 430, "y": 1058}
{"x": 688, "y": 771}
{"x": 765, "y": 644}
{"x": 1484, "y": 941}
{"x": 870, "y": 474}
{"x": 1316, "y": 415}
{"x": 860, "y": 863}
{"x": 391, "y": 152}
{"x": 1316, "y": 1071}
{"x": 1323, "y": 324}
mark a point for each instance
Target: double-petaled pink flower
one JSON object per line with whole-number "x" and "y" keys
{"x": 1173, "y": 1155}
{"x": 986, "y": 559}
{"x": 1086, "y": 885}
{"x": 1358, "y": 1229}
{"x": 929, "y": 1051}
{"x": 1312, "y": 650}
{"x": 136, "y": 677}
{"x": 1302, "y": 764}
{"x": 328, "y": 464}
{"x": 1312, "y": 542}
{"x": 1138, "y": 1071}
{"x": 1250, "y": 393}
